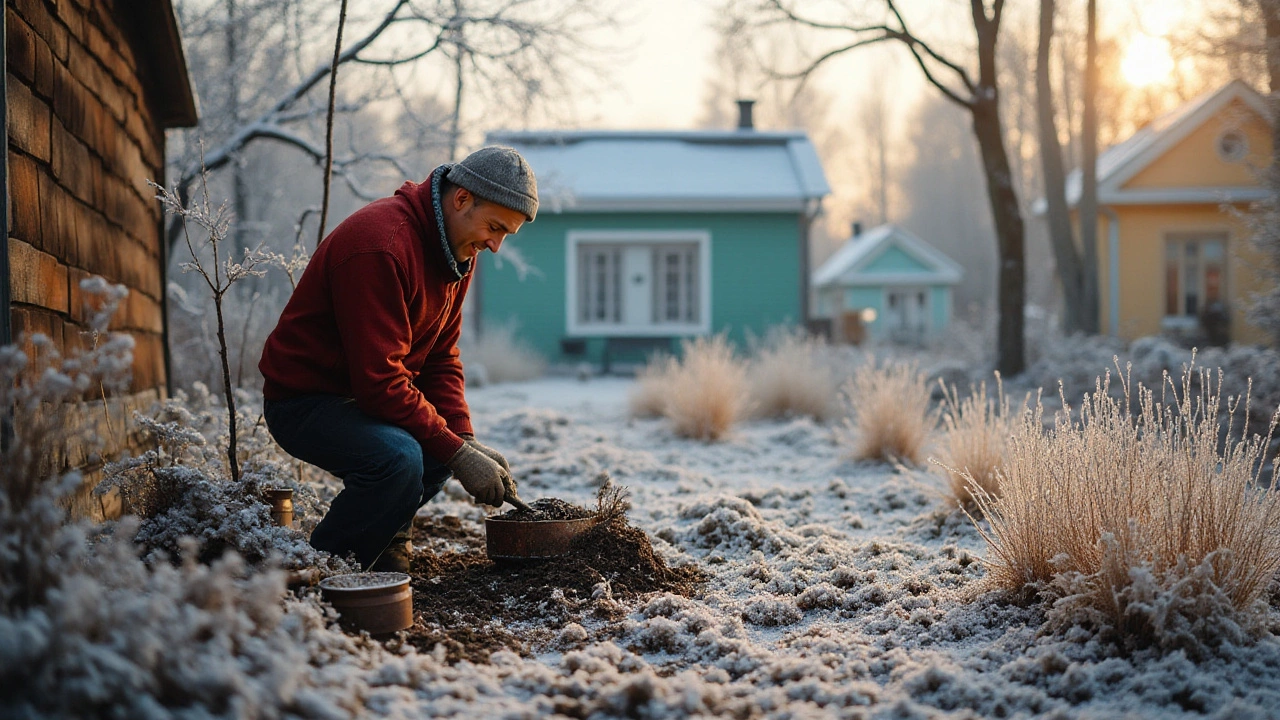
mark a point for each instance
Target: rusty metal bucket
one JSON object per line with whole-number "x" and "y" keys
{"x": 376, "y": 602}
{"x": 532, "y": 539}
{"x": 281, "y": 502}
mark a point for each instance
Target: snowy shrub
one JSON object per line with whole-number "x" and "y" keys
{"x": 889, "y": 414}
{"x": 707, "y": 394}
{"x": 975, "y": 432}
{"x": 789, "y": 376}
{"x": 1142, "y": 521}
{"x": 498, "y": 356}
{"x": 648, "y": 398}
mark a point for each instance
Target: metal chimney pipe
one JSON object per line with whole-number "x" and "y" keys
{"x": 745, "y": 121}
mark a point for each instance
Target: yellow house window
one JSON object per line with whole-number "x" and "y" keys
{"x": 1195, "y": 273}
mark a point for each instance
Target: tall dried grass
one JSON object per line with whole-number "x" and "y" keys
{"x": 707, "y": 392}
{"x": 648, "y": 398}
{"x": 789, "y": 376}
{"x": 503, "y": 357}
{"x": 975, "y": 436}
{"x": 889, "y": 413}
{"x": 1147, "y": 523}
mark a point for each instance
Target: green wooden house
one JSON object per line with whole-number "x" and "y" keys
{"x": 886, "y": 284}
{"x": 643, "y": 238}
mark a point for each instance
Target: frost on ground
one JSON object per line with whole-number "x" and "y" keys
{"x": 832, "y": 589}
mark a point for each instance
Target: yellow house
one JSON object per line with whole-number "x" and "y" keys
{"x": 1172, "y": 237}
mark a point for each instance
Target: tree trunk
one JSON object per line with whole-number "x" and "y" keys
{"x": 1088, "y": 207}
{"x": 1010, "y": 234}
{"x": 240, "y": 189}
{"x": 1061, "y": 237}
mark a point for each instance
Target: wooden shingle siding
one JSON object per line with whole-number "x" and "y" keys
{"x": 84, "y": 139}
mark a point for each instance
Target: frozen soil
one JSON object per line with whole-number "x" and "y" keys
{"x": 547, "y": 509}
{"x": 832, "y": 589}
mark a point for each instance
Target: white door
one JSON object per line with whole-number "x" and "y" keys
{"x": 637, "y": 286}
{"x": 907, "y": 313}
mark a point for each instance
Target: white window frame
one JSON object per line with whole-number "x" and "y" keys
{"x": 1181, "y": 238}
{"x": 575, "y": 238}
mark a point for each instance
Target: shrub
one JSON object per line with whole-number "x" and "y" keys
{"x": 1141, "y": 522}
{"x": 889, "y": 415}
{"x": 975, "y": 434}
{"x": 789, "y": 376}
{"x": 648, "y": 398}
{"x": 707, "y": 393}
{"x": 498, "y": 356}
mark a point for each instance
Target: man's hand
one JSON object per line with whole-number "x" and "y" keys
{"x": 481, "y": 476}
{"x": 494, "y": 455}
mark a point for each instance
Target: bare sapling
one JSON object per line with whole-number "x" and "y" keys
{"x": 219, "y": 276}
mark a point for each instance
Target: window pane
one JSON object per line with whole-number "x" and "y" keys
{"x": 1214, "y": 256}
{"x": 1171, "y": 292}
{"x": 1191, "y": 278}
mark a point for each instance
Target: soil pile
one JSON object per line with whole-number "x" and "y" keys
{"x": 547, "y": 509}
{"x": 468, "y": 603}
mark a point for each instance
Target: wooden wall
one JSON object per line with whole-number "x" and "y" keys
{"x": 83, "y": 141}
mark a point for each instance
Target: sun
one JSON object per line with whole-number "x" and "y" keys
{"x": 1146, "y": 61}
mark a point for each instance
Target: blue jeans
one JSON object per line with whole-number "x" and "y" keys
{"x": 385, "y": 474}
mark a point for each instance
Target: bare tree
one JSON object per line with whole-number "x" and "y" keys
{"x": 1088, "y": 207}
{"x": 527, "y": 48}
{"x": 979, "y": 96}
{"x": 1061, "y": 237}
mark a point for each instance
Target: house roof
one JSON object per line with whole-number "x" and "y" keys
{"x": 158, "y": 43}
{"x": 854, "y": 263}
{"x": 1121, "y": 162}
{"x": 604, "y": 170}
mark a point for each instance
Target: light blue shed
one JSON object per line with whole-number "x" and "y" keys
{"x": 646, "y": 237}
{"x": 886, "y": 283}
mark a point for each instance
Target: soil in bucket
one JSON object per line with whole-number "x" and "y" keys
{"x": 468, "y": 604}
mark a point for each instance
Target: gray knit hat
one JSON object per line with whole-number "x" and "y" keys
{"x": 500, "y": 175}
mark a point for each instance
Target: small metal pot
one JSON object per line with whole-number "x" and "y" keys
{"x": 532, "y": 539}
{"x": 376, "y": 602}
{"x": 281, "y": 501}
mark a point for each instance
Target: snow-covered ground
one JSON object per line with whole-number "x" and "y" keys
{"x": 837, "y": 589}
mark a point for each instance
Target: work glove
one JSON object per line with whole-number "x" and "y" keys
{"x": 495, "y": 456}
{"x": 481, "y": 476}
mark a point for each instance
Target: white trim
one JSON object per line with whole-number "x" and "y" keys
{"x": 570, "y": 204}
{"x": 574, "y": 238}
{"x": 1183, "y": 195}
{"x": 896, "y": 278}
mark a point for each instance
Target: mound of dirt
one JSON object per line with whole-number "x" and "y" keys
{"x": 547, "y": 509}
{"x": 467, "y": 603}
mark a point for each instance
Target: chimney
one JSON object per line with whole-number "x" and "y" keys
{"x": 744, "y": 115}
{"x": 857, "y": 228}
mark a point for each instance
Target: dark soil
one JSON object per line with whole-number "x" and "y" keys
{"x": 468, "y": 603}
{"x": 547, "y": 509}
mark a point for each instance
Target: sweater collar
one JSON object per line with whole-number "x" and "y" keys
{"x": 460, "y": 270}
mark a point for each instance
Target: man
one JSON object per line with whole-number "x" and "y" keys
{"x": 362, "y": 376}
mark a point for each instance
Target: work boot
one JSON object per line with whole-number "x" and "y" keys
{"x": 397, "y": 556}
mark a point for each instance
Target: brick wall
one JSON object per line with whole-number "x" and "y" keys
{"x": 83, "y": 141}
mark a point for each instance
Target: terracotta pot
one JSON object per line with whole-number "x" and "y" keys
{"x": 281, "y": 501}
{"x": 376, "y": 602}
{"x": 532, "y": 539}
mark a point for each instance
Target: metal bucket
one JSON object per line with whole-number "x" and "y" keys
{"x": 281, "y": 501}
{"x": 532, "y": 540}
{"x": 376, "y": 602}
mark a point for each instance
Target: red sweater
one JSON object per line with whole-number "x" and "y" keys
{"x": 376, "y": 317}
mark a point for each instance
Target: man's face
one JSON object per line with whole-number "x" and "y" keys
{"x": 475, "y": 225}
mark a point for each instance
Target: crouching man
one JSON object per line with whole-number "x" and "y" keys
{"x": 361, "y": 373}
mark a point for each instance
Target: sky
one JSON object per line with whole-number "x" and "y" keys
{"x": 665, "y": 57}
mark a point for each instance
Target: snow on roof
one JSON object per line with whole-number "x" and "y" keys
{"x": 599, "y": 170}
{"x": 1119, "y": 163}
{"x": 843, "y": 268}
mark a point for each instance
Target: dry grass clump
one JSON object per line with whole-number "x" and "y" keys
{"x": 889, "y": 415}
{"x": 1147, "y": 524}
{"x": 975, "y": 435}
{"x": 648, "y": 397}
{"x": 790, "y": 377}
{"x": 498, "y": 356}
{"x": 707, "y": 391}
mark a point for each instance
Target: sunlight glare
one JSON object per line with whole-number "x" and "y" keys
{"x": 1146, "y": 61}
